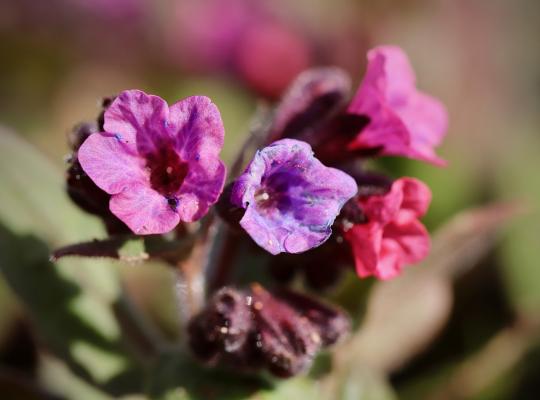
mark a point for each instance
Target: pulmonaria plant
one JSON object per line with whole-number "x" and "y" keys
{"x": 160, "y": 164}
{"x": 306, "y": 190}
{"x": 291, "y": 198}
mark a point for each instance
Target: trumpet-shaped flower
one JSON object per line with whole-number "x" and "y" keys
{"x": 291, "y": 199}
{"x": 393, "y": 236}
{"x": 403, "y": 120}
{"x": 160, "y": 164}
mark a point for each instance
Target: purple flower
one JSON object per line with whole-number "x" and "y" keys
{"x": 403, "y": 121}
{"x": 291, "y": 198}
{"x": 160, "y": 164}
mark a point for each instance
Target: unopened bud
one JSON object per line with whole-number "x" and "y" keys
{"x": 254, "y": 328}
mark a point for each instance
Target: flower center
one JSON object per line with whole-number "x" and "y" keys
{"x": 265, "y": 198}
{"x": 167, "y": 171}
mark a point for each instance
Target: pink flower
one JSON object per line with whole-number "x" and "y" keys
{"x": 392, "y": 237}
{"x": 403, "y": 120}
{"x": 160, "y": 164}
{"x": 260, "y": 46}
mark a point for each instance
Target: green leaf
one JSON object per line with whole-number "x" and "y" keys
{"x": 78, "y": 326}
{"x": 57, "y": 377}
{"x": 70, "y": 301}
{"x": 362, "y": 384}
{"x": 405, "y": 314}
{"x": 178, "y": 377}
{"x": 33, "y": 195}
{"x": 516, "y": 177}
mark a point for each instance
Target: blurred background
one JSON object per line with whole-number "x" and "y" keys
{"x": 60, "y": 57}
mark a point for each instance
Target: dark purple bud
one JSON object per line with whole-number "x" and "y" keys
{"x": 254, "y": 328}
{"x": 79, "y": 134}
{"x": 223, "y": 327}
{"x": 80, "y": 188}
{"x": 334, "y": 138}
{"x": 105, "y": 103}
{"x": 331, "y": 323}
{"x": 287, "y": 340}
{"x": 314, "y": 97}
{"x": 371, "y": 183}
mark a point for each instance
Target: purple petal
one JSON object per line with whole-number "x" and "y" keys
{"x": 138, "y": 119}
{"x": 144, "y": 210}
{"x": 168, "y": 160}
{"x": 201, "y": 189}
{"x": 198, "y": 128}
{"x": 199, "y": 133}
{"x": 110, "y": 163}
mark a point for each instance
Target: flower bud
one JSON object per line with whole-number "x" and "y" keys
{"x": 249, "y": 329}
{"x": 80, "y": 188}
{"x": 315, "y": 96}
{"x": 223, "y": 326}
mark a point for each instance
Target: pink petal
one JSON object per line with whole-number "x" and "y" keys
{"x": 416, "y": 195}
{"x": 427, "y": 118}
{"x": 393, "y": 73}
{"x": 110, "y": 163}
{"x": 198, "y": 128}
{"x": 365, "y": 240}
{"x": 138, "y": 119}
{"x": 201, "y": 189}
{"x": 390, "y": 260}
{"x": 144, "y": 210}
{"x": 412, "y": 238}
{"x": 404, "y": 121}
{"x": 199, "y": 135}
{"x": 383, "y": 208}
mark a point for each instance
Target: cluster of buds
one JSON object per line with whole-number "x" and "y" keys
{"x": 305, "y": 198}
{"x": 253, "y": 328}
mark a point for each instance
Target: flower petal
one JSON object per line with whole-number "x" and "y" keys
{"x": 198, "y": 129}
{"x": 198, "y": 138}
{"x": 365, "y": 240}
{"x": 427, "y": 118}
{"x": 139, "y": 120}
{"x": 390, "y": 260}
{"x": 383, "y": 208}
{"x": 403, "y": 121}
{"x": 412, "y": 238}
{"x": 144, "y": 210}
{"x": 201, "y": 189}
{"x": 393, "y": 236}
{"x": 264, "y": 231}
{"x": 416, "y": 195}
{"x": 110, "y": 163}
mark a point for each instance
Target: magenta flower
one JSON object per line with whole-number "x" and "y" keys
{"x": 291, "y": 199}
{"x": 160, "y": 164}
{"x": 403, "y": 120}
{"x": 393, "y": 236}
